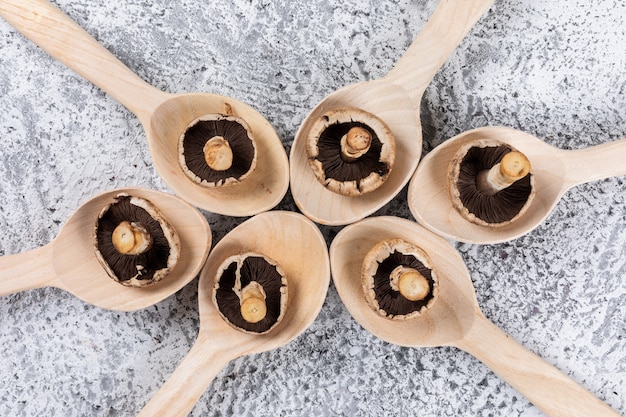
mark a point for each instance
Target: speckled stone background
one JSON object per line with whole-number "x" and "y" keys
{"x": 555, "y": 69}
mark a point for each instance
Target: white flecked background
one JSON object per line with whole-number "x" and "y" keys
{"x": 554, "y": 69}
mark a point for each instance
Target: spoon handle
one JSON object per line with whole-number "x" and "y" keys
{"x": 596, "y": 162}
{"x": 443, "y": 32}
{"x": 62, "y": 38}
{"x": 549, "y": 389}
{"x": 26, "y": 271}
{"x": 179, "y": 394}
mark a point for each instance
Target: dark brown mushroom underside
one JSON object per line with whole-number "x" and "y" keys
{"x": 501, "y": 206}
{"x": 391, "y": 301}
{"x": 240, "y": 143}
{"x": 125, "y": 266}
{"x": 335, "y": 167}
{"x": 253, "y": 268}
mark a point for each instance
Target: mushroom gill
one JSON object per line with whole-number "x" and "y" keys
{"x": 350, "y": 151}
{"x": 481, "y": 189}
{"x": 134, "y": 243}
{"x": 217, "y": 150}
{"x": 250, "y": 292}
{"x": 398, "y": 279}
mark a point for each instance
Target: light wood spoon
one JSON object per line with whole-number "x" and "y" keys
{"x": 555, "y": 171}
{"x": 164, "y": 116}
{"x": 395, "y": 99}
{"x": 454, "y": 317}
{"x": 69, "y": 261}
{"x": 297, "y": 245}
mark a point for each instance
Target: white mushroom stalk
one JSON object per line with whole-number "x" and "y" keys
{"x": 355, "y": 143}
{"x": 513, "y": 166}
{"x": 253, "y": 306}
{"x": 218, "y": 154}
{"x": 410, "y": 283}
{"x": 131, "y": 238}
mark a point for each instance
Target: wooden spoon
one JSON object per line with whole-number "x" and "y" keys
{"x": 164, "y": 116}
{"x": 395, "y": 99}
{"x": 69, "y": 261}
{"x": 297, "y": 245}
{"x": 453, "y": 319}
{"x": 555, "y": 171}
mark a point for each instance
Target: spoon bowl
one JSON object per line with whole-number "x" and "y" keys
{"x": 395, "y": 99}
{"x": 164, "y": 116}
{"x": 263, "y": 189}
{"x": 69, "y": 261}
{"x": 555, "y": 172}
{"x": 297, "y": 245}
{"x": 454, "y": 317}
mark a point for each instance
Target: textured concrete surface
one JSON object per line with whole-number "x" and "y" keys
{"x": 554, "y": 69}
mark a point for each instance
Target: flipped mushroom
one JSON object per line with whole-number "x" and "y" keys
{"x": 490, "y": 183}
{"x": 250, "y": 292}
{"x": 350, "y": 151}
{"x": 217, "y": 150}
{"x": 134, "y": 243}
{"x": 398, "y": 279}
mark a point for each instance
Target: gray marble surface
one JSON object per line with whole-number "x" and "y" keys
{"x": 556, "y": 69}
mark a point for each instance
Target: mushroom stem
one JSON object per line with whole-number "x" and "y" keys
{"x": 218, "y": 154}
{"x": 253, "y": 307}
{"x": 355, "y": 143}
{"x": 513, "y": 166}
{"x": 131, "y": 238}
{"x": 411, "y": 284}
